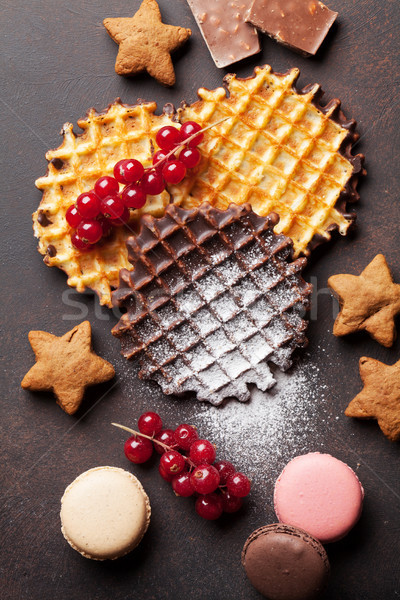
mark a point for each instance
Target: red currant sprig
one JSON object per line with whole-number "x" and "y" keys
{"x": 183, "y": 142}
{"x": 95, "y": 212}
{"x": 188, "y": 463}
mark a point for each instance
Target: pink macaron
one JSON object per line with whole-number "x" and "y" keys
{"x": 319, "y": 494}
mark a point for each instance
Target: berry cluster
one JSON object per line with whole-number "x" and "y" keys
{"x": 188, "y": 463}
{"x": 97, "y": 211}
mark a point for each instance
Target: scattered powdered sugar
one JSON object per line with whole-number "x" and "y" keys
{"x": 259, "y": 436}
{"x": 262, "y": 435}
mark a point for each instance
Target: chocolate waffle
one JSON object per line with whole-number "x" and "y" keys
{"x": 212, "y": 298}
{"x": 280, "y": 150}
{"x": 122, "y": 131}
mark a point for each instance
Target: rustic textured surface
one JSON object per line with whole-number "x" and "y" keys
{"x": 55, "y": 63}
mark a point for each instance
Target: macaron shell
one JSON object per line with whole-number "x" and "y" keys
{"x": 104, "y": 513}
{"x": 319, "y": 494}
{"x": 285, "y": 563}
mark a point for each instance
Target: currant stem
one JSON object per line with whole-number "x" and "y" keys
{"x": 165, "y": 446}
{"x": 187, "y": 141}
{"x": 129, "y": 430}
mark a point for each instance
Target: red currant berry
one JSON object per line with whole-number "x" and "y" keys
{"x": 106, "y": 186}
{"x": 106, "y": 226}
{"x": 78, "y": 243}
{"x": 225, "y": 469}
{"x": 164, "y": 474}
{"x": 231, "y": 504}
{"x": 128, "y": 171}
{"x": 137, "y": 449}
{"x": 124, "y": 218}
{"x": 72, "y": 216}
{"x": 160, "y": 155}
{"x": 133, "y": 196}
{"x": 88, "y": 205}
{"x": 205, "y": 479}
{"x": 119, "y": 171}
{"x": 190, "y": 157}
{"x": 152, "y": 183}
{"x": 202, "y": 451}
{"x": 168, "y": 137}
{"x": 150, "y": 423}
{"x": 172, "y": 462}
{"x": 238, "y": 485}
{"x": 181, "y": 485}
{"x": 89, "y": 231}
{"x": 209, "y": 507}
{"x": 112, "y": 207}
{"x": 166, "y": 437}
{"x": 187, "y": 130}
{"x": 174, "y": 171}
{"x": 184, "y": 436}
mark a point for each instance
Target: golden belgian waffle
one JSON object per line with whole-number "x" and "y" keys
{"x": 122, "y": 131}
{"x": 280, "y": 150}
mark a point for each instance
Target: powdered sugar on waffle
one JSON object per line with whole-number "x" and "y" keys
{"x": 212, "y": 299}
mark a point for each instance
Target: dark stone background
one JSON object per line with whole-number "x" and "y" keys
{"x": 56, "y": 61}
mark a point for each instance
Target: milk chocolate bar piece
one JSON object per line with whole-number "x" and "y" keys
{"x": 221, "y": 22}
{"x": 300, "y": 24}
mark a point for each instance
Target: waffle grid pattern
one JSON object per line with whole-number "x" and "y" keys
{"x": 120, "y": 132}
{"x": 212, "y": 298}
{"x": 277, "y": 150}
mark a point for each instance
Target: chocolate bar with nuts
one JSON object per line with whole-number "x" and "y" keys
{"x": 221, "y": 22}
{"x": 300, "y": 24}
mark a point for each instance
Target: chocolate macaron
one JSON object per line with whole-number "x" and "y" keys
{"x": 285, "y": 563}
{"x": 105, "y": 512}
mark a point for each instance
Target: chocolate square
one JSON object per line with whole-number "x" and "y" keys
{"x": 300, "y": 24}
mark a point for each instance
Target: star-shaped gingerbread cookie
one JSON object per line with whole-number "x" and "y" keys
{"x": 146, "y": 43}
{"x": 380, "y": 397}
{"x": 66, "y": 366}
{"x": 369, "y": 301}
